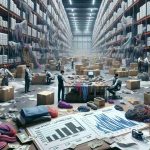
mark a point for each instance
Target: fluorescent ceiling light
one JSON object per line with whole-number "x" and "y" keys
{"x": 93, "y": 2}
{"x": 70, "y": 1}
{"x": 91, "y": 10}
{"x": 90, "y": 14}
{"x": 73, "y": 14}
{"x": 72, "y": 10}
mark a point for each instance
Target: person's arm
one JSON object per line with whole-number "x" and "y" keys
{"x": 115, "y": 83}
{"x": 9, "y": 73}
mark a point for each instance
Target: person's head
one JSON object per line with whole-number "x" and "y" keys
{"x": 45, "y": 70}
{"x": 28, "y": 66}
{"x": 4, "y": 66}
{"x": 116, "y": 75}
{"x": 62, "y": 72}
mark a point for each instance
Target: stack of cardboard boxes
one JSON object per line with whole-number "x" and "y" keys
{"x": 20, "y": 72}
{"x": 78, "y": 69}
{"x": 133, "y": 69}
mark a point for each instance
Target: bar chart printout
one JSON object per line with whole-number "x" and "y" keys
{"x": 61, "y": 133}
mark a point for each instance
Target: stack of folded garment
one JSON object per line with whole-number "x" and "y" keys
{"x": 7, "y": 134}
{"x": 65, "y": 105}
{"x": 37, "y": 114}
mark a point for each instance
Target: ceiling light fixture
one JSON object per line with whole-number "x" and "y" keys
{"x": 73, "y": 14}
{"x": 93, "y": 2}
{"x": 91, "y": 10}
{"x": 72, "y": 10}
{"x": 90, "y": 14}
{"x": 70, "y": 1}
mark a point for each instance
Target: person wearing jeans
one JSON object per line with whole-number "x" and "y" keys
{"x": 61, "y": 88}
{"x": 28, "y": 78}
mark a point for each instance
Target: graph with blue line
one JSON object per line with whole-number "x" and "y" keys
{"x": 107, "y": 124}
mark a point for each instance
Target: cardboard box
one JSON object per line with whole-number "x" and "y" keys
{"x": 20, "y": 72}
{"x": 112, "y": 71}
{"x": 96, "y": 72}
{"x": 133, "y": 72}
{"x": 45, "y": 98}
{"x": 147, "y": 98}
{"x": 116, "y": 65}
{"x": 99, "y": 102}
{"x": 122, "y": 73}
{"x": 39, "y": 79}
{"x": 133, "y": 65}
{"x": 133, "y": 84}
{"x": 77, "y": 67}
{"x": 6, "y": 93}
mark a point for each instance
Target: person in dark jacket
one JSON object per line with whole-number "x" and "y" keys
{"x": 116, "y": 85}
{"x": 28, "y": 78}
{"x": 61, "y": 81}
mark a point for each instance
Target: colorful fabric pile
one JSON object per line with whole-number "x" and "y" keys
{"x": 140, "y": 113}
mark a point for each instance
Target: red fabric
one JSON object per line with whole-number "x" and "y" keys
{"x": 78, "y": 88}
{"x": 2, "y": 145}
{"x": 53, "y": 112}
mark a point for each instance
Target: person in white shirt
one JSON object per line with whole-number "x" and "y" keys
{"x": 140, "y": 62}
{"x": 146, "y": 63}
{"x": 49, "y": 77}
{"x": 5, "y": 73}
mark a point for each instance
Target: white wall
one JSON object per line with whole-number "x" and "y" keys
{"x": 82, "y": 45}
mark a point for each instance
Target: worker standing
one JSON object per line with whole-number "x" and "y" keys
{"x": 59, "y": 65}
{"x": 28, "y": 78}
{"x": 146, "y": 64}
{"x": 72, "y": 63}
{"x": 140, "y": 62}
{"x": 61, "y": 88}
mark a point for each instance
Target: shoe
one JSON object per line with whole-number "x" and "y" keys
{"x": 83, "y": 109}
{"x": 92, "y": 105}
{"x": 65, "y": 105}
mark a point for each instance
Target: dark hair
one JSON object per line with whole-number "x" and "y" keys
{"x": 62, "y": 71}
{"x": 45, "y": 70}
{"x": 27, "y": 66}
{"x": 116, "y": 74}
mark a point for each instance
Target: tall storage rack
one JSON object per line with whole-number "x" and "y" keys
{"x": 46, "y": 16}
{"x": 108, "y": 31}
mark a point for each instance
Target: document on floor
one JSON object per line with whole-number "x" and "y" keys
{"x": 110, "y": 122}
{"x": 61, "y": 133}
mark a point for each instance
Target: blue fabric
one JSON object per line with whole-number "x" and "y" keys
{"x": 34, "y": 112}
{"x": 85, "y": 92}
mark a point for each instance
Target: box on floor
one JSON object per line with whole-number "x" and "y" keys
{"x": 112, "y": 71}
{"x": 122, "y": 73}
{"x": 20, "y": 71}
{"x": 6, "y": 93}
{"x": 133, "y": 84}
{"x": 45, "y": 98}
{"x": 147, "y": 98}
{"x": 133, "y": 72}
{"x": 39, "y": 79}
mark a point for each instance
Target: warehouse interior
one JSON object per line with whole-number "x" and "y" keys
{"x": 75, "y": 74}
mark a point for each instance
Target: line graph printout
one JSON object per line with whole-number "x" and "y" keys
{"x": 110, "y": 122}
{"x": 61, "y": 133}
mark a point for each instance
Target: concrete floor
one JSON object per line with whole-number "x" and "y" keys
{"x": 28, "y": 100}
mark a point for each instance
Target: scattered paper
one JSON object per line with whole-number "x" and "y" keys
{"x": 4, "y": 104}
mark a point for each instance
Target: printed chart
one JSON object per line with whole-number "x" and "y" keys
{"x": 61, "y": 133}
{"x": 110, "y": 122}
